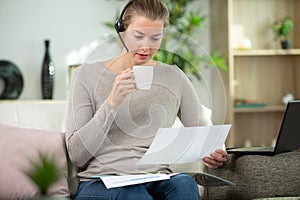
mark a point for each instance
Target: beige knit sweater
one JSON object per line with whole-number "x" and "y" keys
{"x": 105, "y": 140}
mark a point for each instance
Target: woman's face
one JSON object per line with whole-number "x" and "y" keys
{"x": 143, "y": 38}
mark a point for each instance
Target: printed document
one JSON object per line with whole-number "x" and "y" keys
{"x": 204, "y": 179}
{"x": 123, "y": 180}
{"x": 184, "y": 145}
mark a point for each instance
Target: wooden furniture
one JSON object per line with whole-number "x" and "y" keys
{"x": 264, "y": 72}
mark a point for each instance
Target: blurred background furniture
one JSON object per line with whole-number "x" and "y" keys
{"x": 261, "y": 73}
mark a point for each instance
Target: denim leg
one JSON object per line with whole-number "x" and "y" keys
{"x": 179, "y": 187}
{"x": 95, "y": 189}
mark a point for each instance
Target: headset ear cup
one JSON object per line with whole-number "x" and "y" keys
{"x": 116, "y": 25}
{"x": 119, "y": 26}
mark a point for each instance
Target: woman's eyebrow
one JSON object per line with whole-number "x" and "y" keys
{"x": 141, "y": 33}
{"x": 156, "y": 35}
{"x": 138, "y": 32}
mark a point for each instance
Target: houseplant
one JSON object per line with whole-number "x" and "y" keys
{"x": 44, "y": 173}
{"x": 186, "y": 52}
{"x": 282, "y": 29}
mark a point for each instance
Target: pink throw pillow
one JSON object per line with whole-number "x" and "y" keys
{"x": 17, "y": 147}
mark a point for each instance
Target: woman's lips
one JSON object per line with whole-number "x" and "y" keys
{"x": 142, "y": 56}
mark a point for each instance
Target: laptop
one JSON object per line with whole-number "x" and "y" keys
{"x": 288, "y": 138}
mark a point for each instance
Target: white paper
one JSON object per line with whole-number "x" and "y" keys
{"x": 113, "y": 181}
{"x": 184, "y": 145}
{"x": 123, "y": 180}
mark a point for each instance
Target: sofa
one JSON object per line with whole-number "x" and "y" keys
{"x": 258, "y": 177}
{"x": 30, "y": 127}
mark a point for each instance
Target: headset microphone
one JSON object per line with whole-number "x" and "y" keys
{"x": 122, "y": 41}
{"x": 119, "y": 25}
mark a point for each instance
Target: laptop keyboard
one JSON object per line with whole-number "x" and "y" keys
{"x": 262, "y": 149}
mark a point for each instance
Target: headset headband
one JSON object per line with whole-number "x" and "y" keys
{"x": 119, "y": 26}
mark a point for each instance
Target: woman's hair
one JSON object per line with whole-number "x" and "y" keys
{"x": 152, "y": 9}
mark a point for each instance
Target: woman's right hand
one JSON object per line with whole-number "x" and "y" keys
{"x": 123, "y": 85}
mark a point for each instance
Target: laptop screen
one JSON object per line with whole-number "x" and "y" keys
{"x": 289, "y": 135}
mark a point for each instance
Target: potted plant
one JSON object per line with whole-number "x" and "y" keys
{"x": 44, "y": 173}
{"x": 282, "y": 29}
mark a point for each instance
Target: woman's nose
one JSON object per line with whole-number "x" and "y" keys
{"x": 146, "y": 43}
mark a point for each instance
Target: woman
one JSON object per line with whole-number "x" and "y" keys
{"x": 111, "y": 124}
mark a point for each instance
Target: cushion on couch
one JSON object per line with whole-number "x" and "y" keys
{"x": 20, "y": 145}
{"x": 258, "y": 177}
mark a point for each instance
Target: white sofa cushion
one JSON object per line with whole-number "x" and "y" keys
{"x": 42, "y": 115}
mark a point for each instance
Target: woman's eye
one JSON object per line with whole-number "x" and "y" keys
{"x": 138, "y": 37}
{"x": 155, "y": 39}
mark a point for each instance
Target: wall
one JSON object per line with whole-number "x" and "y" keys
{"x": 69, "y": 24}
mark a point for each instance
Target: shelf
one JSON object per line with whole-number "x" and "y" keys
{"x": 266, "y": 52}
{"x": 277, "y": 108}
{"x": 264, "y": 72}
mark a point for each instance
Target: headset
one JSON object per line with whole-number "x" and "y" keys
{"x": 119, "y": 25}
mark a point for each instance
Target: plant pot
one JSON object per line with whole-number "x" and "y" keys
{"x": 286, "y": 44}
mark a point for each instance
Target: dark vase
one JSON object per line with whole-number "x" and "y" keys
{"x": 48, "y": 71}
{"x": 286, "y": 44}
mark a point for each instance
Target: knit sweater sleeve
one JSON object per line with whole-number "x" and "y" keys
{"x": 85, "y": 130}
{"x": 191, "y": 111}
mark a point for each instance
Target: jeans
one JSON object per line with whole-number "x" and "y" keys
{"x": 181, "y": 187}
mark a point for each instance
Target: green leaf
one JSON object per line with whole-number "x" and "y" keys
{"x": 109, "y": 24}
{"x": 44, "y": 172}
{"x": 282, "y": 28}
{"x": 218, "y": 61}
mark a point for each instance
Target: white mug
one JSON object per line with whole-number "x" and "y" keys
{"x": 143, "y": 76}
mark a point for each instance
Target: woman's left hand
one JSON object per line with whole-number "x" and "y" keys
{"x": 216, "y": 159}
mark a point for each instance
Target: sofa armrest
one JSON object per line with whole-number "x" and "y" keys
{"x": 258, "y": 177}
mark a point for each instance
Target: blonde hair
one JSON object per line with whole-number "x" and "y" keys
{"x": 152, "y": 9}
